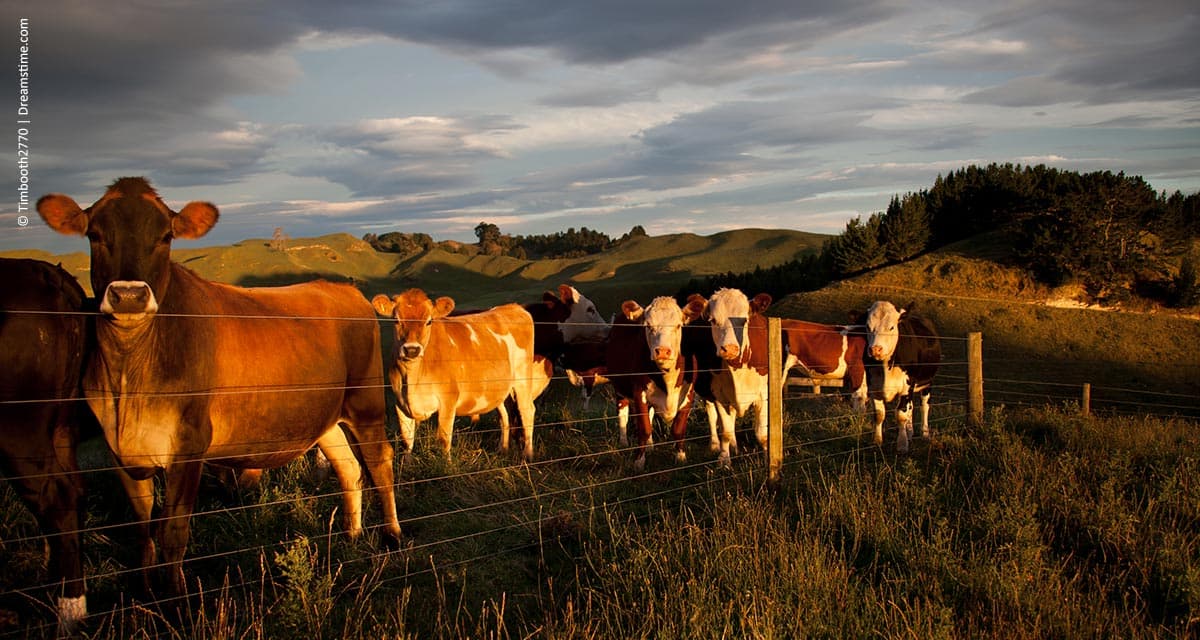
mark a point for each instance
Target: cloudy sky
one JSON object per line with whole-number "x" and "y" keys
{"x": 539, "y": 115}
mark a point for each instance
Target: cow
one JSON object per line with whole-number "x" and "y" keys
{"x": 187, "y": 371}
{"x": 644, "y": 363}
{"x": 823, "y": 350}
{"x": 902, "y": 354}
{"x": 732, "y": 363}
{"x": 43, "y": 336}
{"x": 461, "y": 366}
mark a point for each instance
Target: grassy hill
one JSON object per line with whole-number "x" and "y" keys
{"x": 638, "y": 269}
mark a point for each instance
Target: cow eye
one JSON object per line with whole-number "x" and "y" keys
{"x": 429, "y": 322}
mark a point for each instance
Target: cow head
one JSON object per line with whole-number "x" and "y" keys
{"x": 663, "y": 323}
{"x": 728, "y": 311}
{"x": 883, "y": 329}
{"x": 414, "y": 314}
{"x": 584, "y": 323}
{"x": 130, "y": 230}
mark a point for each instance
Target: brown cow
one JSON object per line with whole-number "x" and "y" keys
{"x": 42, "y": 337}
{"x": 461, "y": 366}
{"x": 825, "y": 350}
{"x": 188, "y": 371}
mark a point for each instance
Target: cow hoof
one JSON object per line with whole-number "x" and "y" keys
{"x": 681, "y": 457}
{"x": 639, "y": 463}
{"x": 391, "y": 541}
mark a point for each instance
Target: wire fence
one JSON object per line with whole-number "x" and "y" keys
{"x": 579, "y": 474}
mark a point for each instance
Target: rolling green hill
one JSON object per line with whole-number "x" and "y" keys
{"x": 639, "y": 269}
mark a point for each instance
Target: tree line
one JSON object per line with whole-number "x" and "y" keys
{"x": 572, "y": 243}
{"x": 1111, "y": 233}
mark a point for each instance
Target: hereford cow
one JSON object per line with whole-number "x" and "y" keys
{"x": 187, "y": 371}
{"x": 461, "y": 366}
{"x": 902, "y": 356}
{"x": 644, "y": 361}
{"x": 732, "y": 364}
{"x": 823, "y": 350}
{"x": 42, "y": 337}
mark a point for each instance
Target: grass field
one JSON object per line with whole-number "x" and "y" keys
{"x": 1041, "y": 523}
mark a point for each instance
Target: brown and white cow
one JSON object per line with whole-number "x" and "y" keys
{"x": 825, "y": 350}
{"x": 187, "y": 371}
{"x": 43, "y": 338}
{"x": 462, "y": 365}
{"x": 644, "y": 363}
{"x": 732, "y": 365}
{"x": 902, "y": 356}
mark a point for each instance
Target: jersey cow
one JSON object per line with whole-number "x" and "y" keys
{"x": 731, "y": 364}
{"x": 902, "y": 356}
{"x": 187, "y": 371}
{"x": 464, "y": 365}
{"x": 42, "y": 337}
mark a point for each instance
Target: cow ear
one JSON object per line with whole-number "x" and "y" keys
{"x": 694, "y": 308}
{"x": 194, "y": 220}
{"x": 384, "y": 305}
{"x": 62, "y": 214}
{"x": 760, "y": 303}
{"x": 568, "y": 294}
{"x": 631, "y": 310}
{"x": 443, "y": 306}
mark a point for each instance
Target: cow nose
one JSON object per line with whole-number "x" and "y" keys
{"x": 729, "y": 351}
{"x": 662, "y": 353}
{"x": 877, "y": 352}
{"x": 411, "y": 350}
{"x": 130, "y": 297}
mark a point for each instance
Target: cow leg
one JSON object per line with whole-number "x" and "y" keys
{"x": 760, "y": 423}
{"x": 336, "y": 447}
{"x": 408, "y": 434}
{"x": 880, "y": 413}
{"x": 527, "y": 410}
{"x": 679, "y": 427}
{"x": 623, "y": 422}
{"x": 376, "y": 453}
{"x": 179, "y": 500}
{"x": 642, "y": 417}
{"x": 141, "y": 499}
{"x": 926, "y": 430}
{"x": 904, "y": 420}
{"x": 714, "y": 440}
{"x": 728, "y": 436}
{"x": 505, "y": 426}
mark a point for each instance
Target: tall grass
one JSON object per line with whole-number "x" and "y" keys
{"x": 1042, "y": 524}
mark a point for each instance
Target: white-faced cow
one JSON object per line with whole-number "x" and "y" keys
{"x": 901, "y": 359}
{"x": 734, "y": 359}
{"x": 668, "y": 392}
{"x": 461, "y": 366}
{"x": 187, "y": 371}
{"x": 42, "y": 336}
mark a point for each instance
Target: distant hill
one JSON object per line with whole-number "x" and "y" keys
{"x": 638, "y": 269}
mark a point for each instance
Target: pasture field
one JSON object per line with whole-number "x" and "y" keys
{"x": 1040, "y": 523}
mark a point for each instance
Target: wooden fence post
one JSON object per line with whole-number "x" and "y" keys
{"x": 975, "y": 379}
{"x": 775, "y": 385}
{"x": 1087, "y": 399}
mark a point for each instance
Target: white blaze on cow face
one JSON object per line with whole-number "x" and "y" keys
{"x": 663, "y": 322}
{"x": 728, "y": 311}
{"x": 585, "y": 323}
{"x": 883, "y": 333}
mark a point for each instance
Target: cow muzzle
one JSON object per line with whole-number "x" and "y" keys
{"x": 877, "y": 352}
{"x": 729, "y": 352}
{"x": 411, "y": 350}
{"x": 663, "y": 357}
{"x": 128, "y": 300}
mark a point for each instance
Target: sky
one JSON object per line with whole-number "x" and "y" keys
{"x": 700, "y": 116}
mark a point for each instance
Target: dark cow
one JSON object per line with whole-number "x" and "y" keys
{"x": 644, "y": 363}
{"x": 43, "y": 337}
{"x": 732, "y": 363}
{"x": 902, "y": 357}
{"x": 188, "y": 371}
{"x": 824, "y": 350}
